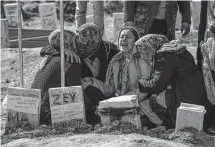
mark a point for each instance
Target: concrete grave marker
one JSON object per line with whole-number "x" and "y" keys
{"x": 23, "y": 107}
{"x": 67, "y": 105}
{"x": 118, "y": 24}
{"x": 190, "y": 115}
{"x": 90, "y": 19}
{"x": 11, "y": 14}
{"x": 89, "y": 8}
{"x": 48, "y": 16}
{"x": 196, "y": 8}
{"x": 5, "y": 40}
{"x": 127, "y": 103}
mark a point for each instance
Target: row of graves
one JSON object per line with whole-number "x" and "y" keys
{"x": 67, "y": 103}
{"x": 48, "y": 22}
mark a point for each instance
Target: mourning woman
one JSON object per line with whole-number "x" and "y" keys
{"x": 124, "y": 72}
{"x": 175, "y": 72}
{"x": 86, "y": 55}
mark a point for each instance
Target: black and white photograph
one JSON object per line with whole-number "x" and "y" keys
{"x": 107, "y": 73}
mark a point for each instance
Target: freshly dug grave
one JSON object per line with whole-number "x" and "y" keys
{"x": 87, "y": 136}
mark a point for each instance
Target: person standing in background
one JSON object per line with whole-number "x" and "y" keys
{"x": 98, "y": 14}
{"x": 206, "y": 41}
{"x": 158, "y": 17}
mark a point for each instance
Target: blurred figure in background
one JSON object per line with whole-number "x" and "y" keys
{"x": 98, "y": 14}
{"x": 158, "y": 17}
{"x": 206, "y": 53}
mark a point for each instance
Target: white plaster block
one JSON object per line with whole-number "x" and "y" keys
{"x": 12, "y": 15}
{"x": 190, "y": 115}
{"x": 5, "y": 40}
{"x": 23, "y": 107}
{"x": 90, "y": 8}
{"x": 48, "y": 16}
{"x": 118, "y": 21}
{"x": 125, "y": 101}
{"x": 67, "y": 105}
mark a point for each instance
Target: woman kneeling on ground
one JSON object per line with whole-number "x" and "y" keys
{"x": 124, "y": 72}
{"x": 175, "y": 72}
{"x": 87, "y": 48}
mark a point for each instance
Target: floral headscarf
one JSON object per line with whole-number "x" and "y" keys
{"x": 88, "y": 41}
{"x": 69, "y": 38}
{"x": 148, "y": 45}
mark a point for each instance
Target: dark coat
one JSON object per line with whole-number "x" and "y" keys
{"x": 49, "y": 75}
{"x": 130, "y": 8}
{"x": 176, "y": 67}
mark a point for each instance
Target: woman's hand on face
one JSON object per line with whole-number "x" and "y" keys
{"x": 71, "y": 56}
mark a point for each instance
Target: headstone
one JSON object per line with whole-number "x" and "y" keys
{"x": 48, "y": 16}
{"x": 11, "y": 14}
{"x": 196, "y": 7}
{"x": 190, "y": 115}
{"x": 118, "y": 24}
{"x": 89, "y": 8}
{"x": 67, "y": 106}
{"x": 90, "y": 19}
{"x": 128, "y": 107}
{"x": 5, "y": 41}
{"x": 23, "y": 108}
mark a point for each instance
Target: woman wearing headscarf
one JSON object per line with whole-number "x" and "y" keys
{"x": 124, "y": 72}
{"x": 87, "y": 48}
{"x": 175, "y": 72}
{"x": 48, "y": 76}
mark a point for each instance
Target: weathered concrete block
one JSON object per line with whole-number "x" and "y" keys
{"x": 12, "y": 15}
{"x": 190, "y": 115}
{"x": 67, "y": 105}
{"x": 196, "y": 8}
{"x": 5, "y": 40}
{"x": 118, "y": 20}
{"x": 23, "y": 107}
{"x": 122, "y": 108}
{"x": 90, "y": 19}
{"x": 90, "y": 8}
{"x": 48, "y": 16}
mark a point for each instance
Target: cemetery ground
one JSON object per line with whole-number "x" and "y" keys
{"x": 117, "y": 136}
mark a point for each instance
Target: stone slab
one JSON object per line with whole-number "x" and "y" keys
{"x": 67, "y": 104}
{"x": 118, "y": 21}
{"x": 48, "y": 16}
{"x": 23, "y": 107}
{"x": 190, "y": 115}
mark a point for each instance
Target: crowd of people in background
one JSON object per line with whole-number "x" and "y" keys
{"x": 148, "y": 61}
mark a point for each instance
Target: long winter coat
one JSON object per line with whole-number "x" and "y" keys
{"x": 147, "y": 10}
{"x": 175, "y": 66}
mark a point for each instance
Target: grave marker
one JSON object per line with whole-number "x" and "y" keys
{"x": 190, "y": 115}
{"x": 89, "y": 8}
{"x": 118, "y": 24}
{"x": 11, "y": 14}
{"x": 5, "y": 40}
{"x": 196, "y": 7}
{"x": 128, "y": 107}
{"x": 48, "y": 16}
{"x": 90, "y": 19}
{"x": 23, "y": 107}
{"x": 67, "y": 105}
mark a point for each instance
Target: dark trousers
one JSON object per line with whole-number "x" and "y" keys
{"x": 159, "y": 26}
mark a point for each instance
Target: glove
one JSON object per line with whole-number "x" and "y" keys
{"x": 128, "y": 23}
{"x": 185, "y": 28}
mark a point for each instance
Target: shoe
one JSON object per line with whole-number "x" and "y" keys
{"x": 211, "y": 131}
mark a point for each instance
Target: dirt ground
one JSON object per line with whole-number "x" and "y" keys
{"x": 97, "y": 136}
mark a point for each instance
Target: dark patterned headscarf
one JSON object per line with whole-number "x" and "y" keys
{"x": 89, "y": 40}
{"x": 148, "y": 45}
{"x": 69, "y": 39}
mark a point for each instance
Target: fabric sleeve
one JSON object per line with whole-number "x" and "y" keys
{"x": 129, "y": 10}
{"x": 161, "y": 78}
{"x": 184, "y": 8}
